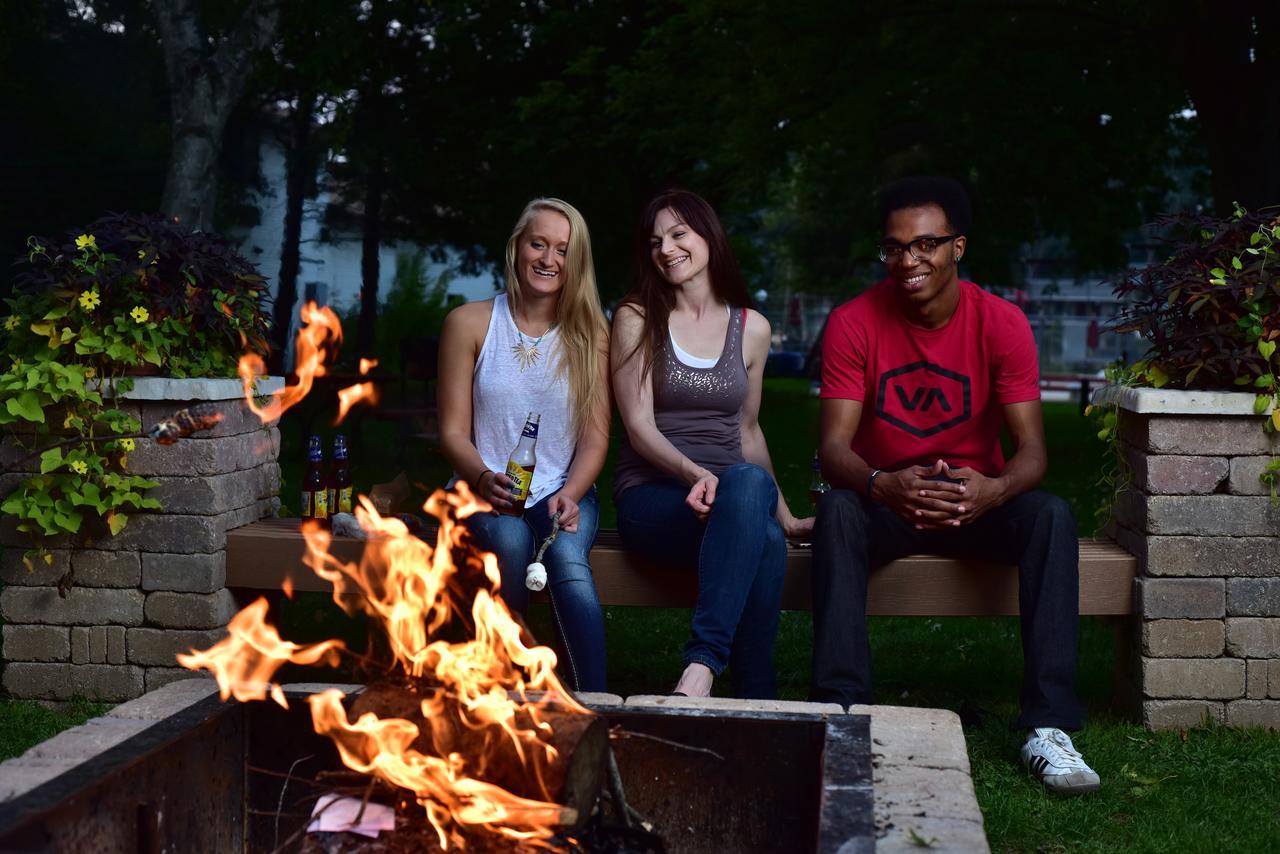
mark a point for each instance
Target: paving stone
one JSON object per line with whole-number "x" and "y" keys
{"x": 1255, "y": 680}
{"x": 1253, "y": 637}
{"x": 1202, "y": 515}
{"x": 179, "y": 534}
{"x": 179, "y": 392}
{"x": 912, "y": 834}
{"x": 1212, "y": 556}
{"x": 162, "y": 677}
{"x": 909, "y": 790}
{"x": 220, "y": 493}
{"x": 160, "y": 647}
{"x": 80, "y": 645}
{"x": 1193, "y": 678}
{"x": 1178, "y": 475}
{"x": 83, "y": 606}
{"x": 596, "y": 698}
{"x": 1183, "y": 638}
{"x": 40, "y": 574}
{"x": 194, "y": 573}
{"x": 106, "y": 681}
{"x": 1245, "y": 476}
{"x": 929, "y": 738}
{"x": 1273, "y": 679}
{"x": 1198, "y": 435}
{"x": 1194, "y": 598}
{"x": 21, "y": 775}
{"x": 732, "y": 704}
{"x": 36, "y": 643}
{"x": 1181, "y": 714}
{"x": 159, "y": 703}
{"x": 37, "y": 681}
{"x": 317, "y": 687}
{"x": 96, "y": 568}
{"x": 1254, "y": 713}
{"x": 1253, "y": 597}
{"x": 189, "y": 610}
{"x": 84, "y": 742}
{"x": 199, "y": 456}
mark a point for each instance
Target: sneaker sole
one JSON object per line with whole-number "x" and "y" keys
{"x": 1071, "y": 784}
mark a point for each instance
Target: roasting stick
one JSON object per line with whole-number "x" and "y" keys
{"x": 535, "y": 574}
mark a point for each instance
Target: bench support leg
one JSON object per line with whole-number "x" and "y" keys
{"x": 1125, "y": 693}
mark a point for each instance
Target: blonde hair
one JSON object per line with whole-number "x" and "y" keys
{"x": 583, "y": 331}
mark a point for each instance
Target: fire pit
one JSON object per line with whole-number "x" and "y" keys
{"x": 237, "y": 776}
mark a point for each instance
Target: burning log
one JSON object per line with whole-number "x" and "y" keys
{"x": 572, "y": 775}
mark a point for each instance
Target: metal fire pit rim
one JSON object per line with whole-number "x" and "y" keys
{"x": 86, "y": 775}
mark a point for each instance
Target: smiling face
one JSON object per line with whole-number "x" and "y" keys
{"x": 540, "y": 260}
{"x": 927, "y": 284}
{"x": 679, "y": 252}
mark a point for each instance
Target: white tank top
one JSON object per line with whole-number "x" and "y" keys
{"x": 504, "y": 392}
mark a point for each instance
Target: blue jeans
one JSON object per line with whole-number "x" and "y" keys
{"x": 741, "y": 558}
{"x": 1034, "y": 530}
{"x": 575, "y": 607}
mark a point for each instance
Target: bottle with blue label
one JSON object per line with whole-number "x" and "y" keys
{"x": 521, "y": 463}
{"x": 340, "y": 478}
{"x": 315, "y": 492}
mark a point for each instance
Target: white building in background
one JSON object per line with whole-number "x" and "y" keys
{"x": 329, "y": 271}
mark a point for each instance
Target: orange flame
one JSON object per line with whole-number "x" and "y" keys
{"x": 367, "y": 365}
{"x": 321, "y": 329}
{"x": 245, "y": 660}
{"x": 493, "y": 685}
{"x": 351, "y": 395}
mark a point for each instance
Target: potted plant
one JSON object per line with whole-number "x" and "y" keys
{"x": 126, "y": 295}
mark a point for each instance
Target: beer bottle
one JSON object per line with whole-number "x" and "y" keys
{"x": 817, "y": 485}
{"x": 315, "y": 493}
{"x": 340, "y": 478}
{"x": 520, "y": 464}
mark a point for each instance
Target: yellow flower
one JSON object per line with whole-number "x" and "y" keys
{"x": 79, "y": 466}
{"x": 140, "y": 314}
{"x": 86, "y": 241}
{"x": 12, "y": 322}
{"x": 127, "y": 445}
{"x": 90, "y": 372}
{"x": 142, "y": 253}
{"x": 89, "y": 300}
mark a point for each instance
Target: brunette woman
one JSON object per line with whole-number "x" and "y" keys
{"x": 539, "y": 347}
{"x": 694, "y": 484}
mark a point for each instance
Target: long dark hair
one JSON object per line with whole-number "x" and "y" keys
{"x": 653, "y": 295}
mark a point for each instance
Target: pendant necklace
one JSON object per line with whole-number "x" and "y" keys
{"x": 527, "y": 355}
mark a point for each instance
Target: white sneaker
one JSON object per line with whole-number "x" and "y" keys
{"x": 1049, "y": 754}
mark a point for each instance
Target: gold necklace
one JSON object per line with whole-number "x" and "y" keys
{"x": 527, "y": 355}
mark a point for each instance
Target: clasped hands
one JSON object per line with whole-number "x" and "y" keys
{"x": 928, "y": 503}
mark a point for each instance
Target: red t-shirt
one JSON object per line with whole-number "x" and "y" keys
{"x": 930, "y": 394}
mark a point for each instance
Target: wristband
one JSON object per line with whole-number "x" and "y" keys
{"x": 480, "y": 478}
{"x": 871, "y": 480}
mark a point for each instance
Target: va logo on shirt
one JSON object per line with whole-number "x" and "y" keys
{"x": 923, "y": 398}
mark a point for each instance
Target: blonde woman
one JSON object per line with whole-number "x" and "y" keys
{"x": 542, "y": 346}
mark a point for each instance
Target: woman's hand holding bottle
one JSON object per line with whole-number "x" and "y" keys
{"x": 495, "y": 488}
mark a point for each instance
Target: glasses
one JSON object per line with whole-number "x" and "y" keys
{"x": 921, "y": 249}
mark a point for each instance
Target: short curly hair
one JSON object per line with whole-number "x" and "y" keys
{"x": 918, "y": 191}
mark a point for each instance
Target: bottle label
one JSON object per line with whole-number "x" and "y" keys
{"x": 321, "y": 504}
{"x": 344, "y": 500}
{"x": 521, "y": 478}
{"x": 332, "y": 500}
{"x": 306, "y": 504}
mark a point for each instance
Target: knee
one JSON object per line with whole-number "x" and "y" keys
{"x": 842, "y": 508}
{"x": 747, "y": 485}
{"x": 1056, "y": 512}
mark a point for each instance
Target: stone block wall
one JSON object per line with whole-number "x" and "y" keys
{"x": 156, "y": 589}
{"x": 1207, "y": 536}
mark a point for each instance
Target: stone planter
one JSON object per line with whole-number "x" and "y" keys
{"x": 157, "y": 588}
{"x": 1207, "y": 537}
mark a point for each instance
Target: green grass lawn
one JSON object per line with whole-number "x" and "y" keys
{"x": 1206, "y": 789}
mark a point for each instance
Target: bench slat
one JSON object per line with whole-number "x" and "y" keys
{"x": 262, "y": 554}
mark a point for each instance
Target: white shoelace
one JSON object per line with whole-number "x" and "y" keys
{"x": 1062, "y": 753}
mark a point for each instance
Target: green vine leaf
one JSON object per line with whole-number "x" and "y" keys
{"x": 51, "y": 460}
{"x": 1260, "y": 403}
{"x": 26, "y": 406}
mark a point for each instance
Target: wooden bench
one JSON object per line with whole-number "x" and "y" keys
{"x": 261, "y": 555}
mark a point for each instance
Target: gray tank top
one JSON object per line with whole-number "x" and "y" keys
{"x": 699, "y": 410}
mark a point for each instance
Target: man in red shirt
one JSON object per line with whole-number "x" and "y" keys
{"x": 919, "y": 375}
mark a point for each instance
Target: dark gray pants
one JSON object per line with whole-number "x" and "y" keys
{"x": 1035, "y": 531}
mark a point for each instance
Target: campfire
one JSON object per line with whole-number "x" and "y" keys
{"x": 465, "y": 728}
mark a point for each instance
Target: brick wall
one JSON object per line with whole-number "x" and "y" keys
{"x": 158, "y": 588}
{"x": 1208, "y": 539}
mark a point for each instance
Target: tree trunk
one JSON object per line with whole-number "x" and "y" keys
{"x": 300, "y": 173}
{"x": 369, "y": 263}
{"x": 207, "y": 76}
